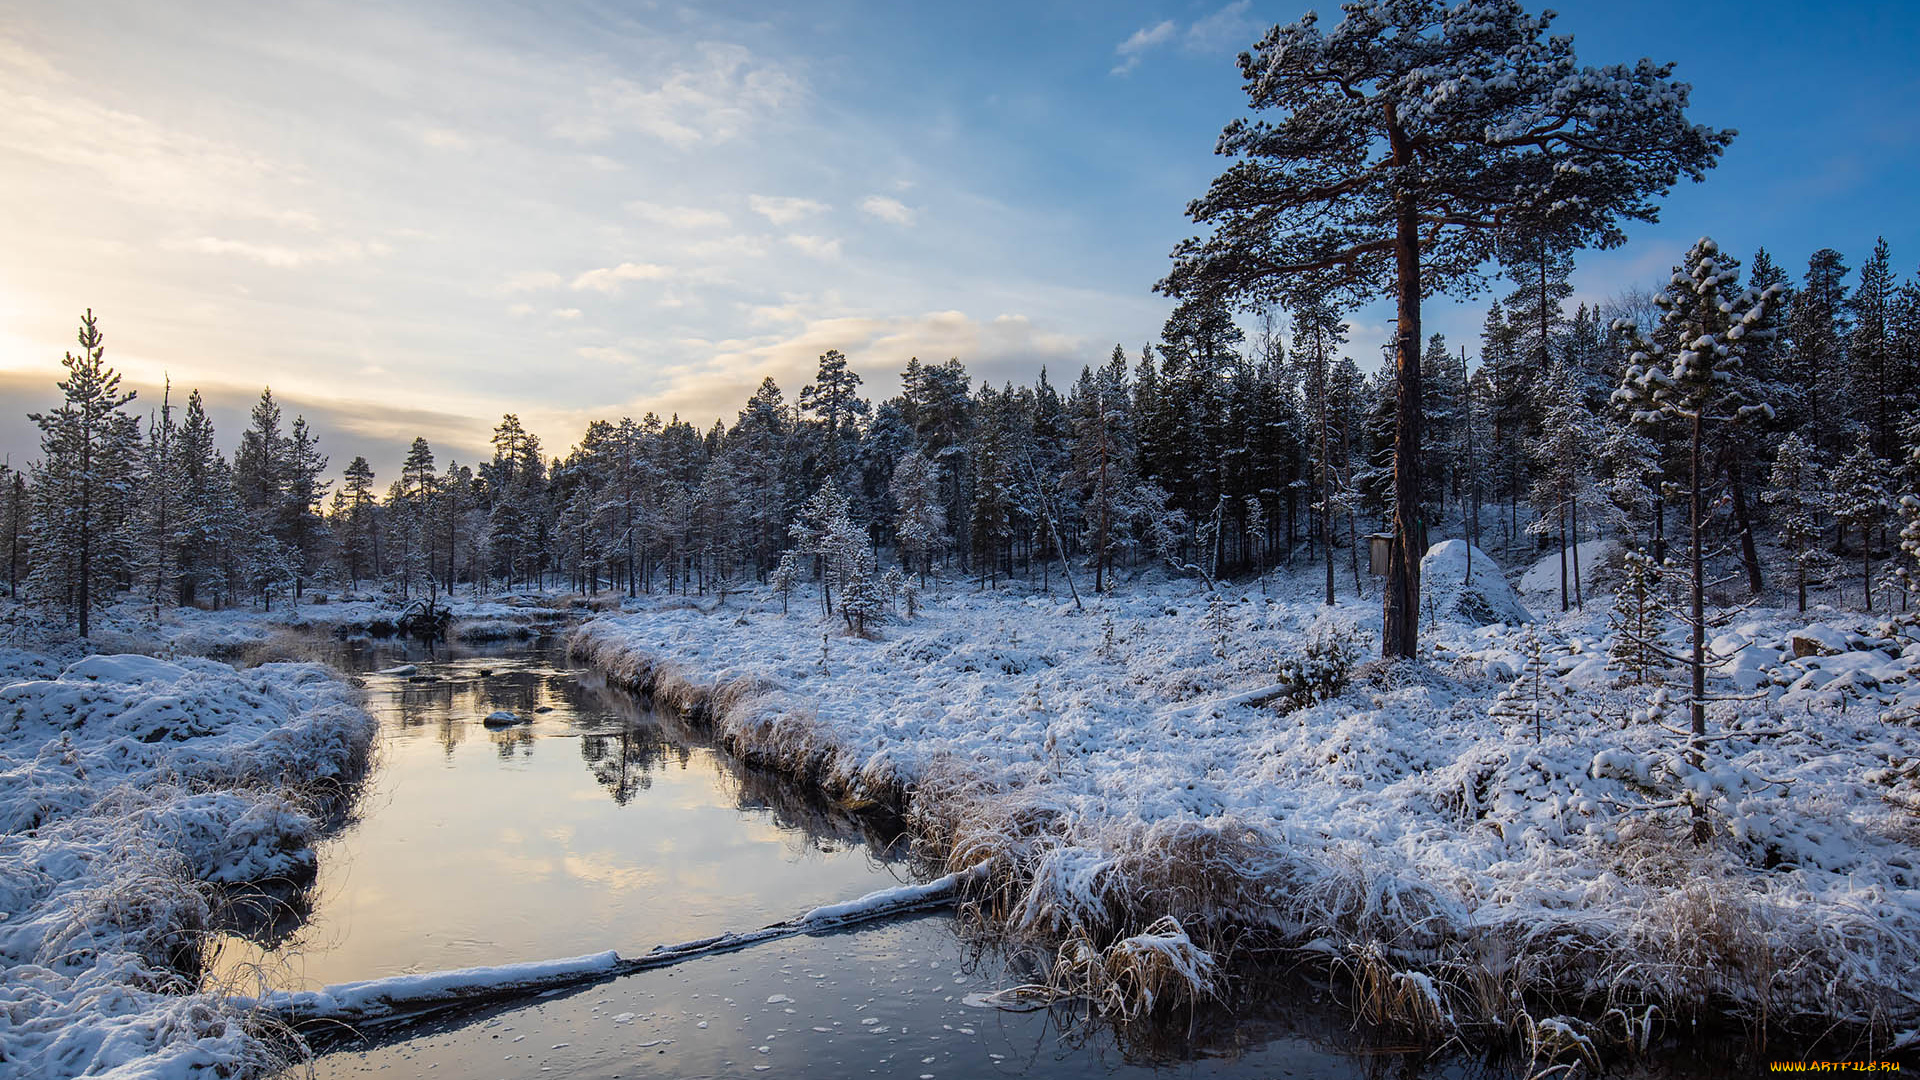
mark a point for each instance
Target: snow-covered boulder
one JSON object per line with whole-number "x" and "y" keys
{"x": 1817, "y": 640}
{"x": 1447, "y": 591}
{"x": 1598, "y": 559}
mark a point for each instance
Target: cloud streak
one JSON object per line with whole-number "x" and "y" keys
{"x": 887, "y": 209}
{"x": 281, "y": 256}
{"x": 1131, "y": 50}
{"x": 609, "y": 279}
{"x": 713, "y": 96}
{"x": 784, "y": 209}
{"x": 1229, "y": 29}
{"x": 678, "y": 217}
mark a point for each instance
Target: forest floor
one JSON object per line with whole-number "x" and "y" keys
{"x": 1490, "y": 839}
{"x": 133, "y": 790}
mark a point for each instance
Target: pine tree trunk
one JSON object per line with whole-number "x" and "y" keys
{"x": 1564, "y": 596}
{"x": 1401, "y": 604}
{"x": 1573, "y": 510}
{"x": 1326, "y": 481}
{"x": 1353, "y": 554}
{"x": 1100, "y": 558}
{"x": 1697, "y": 707}
{"x": 1800, "y": 563}
{"x": 1749, "y": 553}
{"x": 1659, "y": 525}
{"x": 1866, "y": 566}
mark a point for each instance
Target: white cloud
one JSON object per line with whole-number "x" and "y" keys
{"x": 48, "y": 117}
{"x": 1145, "y": 38}
{"x": 784, "y": 209}
{"x": 531, "y": 281}
{"x": 1230, "y": 29}
{"x": 711, "y": 98}
{"x": 819, "y": 247}
{"x": 678, "y": 217}
{"x": 723, "y": 248}
{"x": 605, "y": 354}
{"x": 1227, "y": 30}
{"x": 445, "y": 139}
{"x": 566, "y": 313}
{"x": 282, "y": 256}
{"x": 774, "y": 315}
{"x": 608, "y": 279}
{"x": 887, "y": 209}
{"x": 520, "y": 311}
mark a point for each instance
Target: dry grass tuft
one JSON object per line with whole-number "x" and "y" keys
{"x": 1153, "y": 971}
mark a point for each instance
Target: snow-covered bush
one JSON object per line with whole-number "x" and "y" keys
{"x": 1320, "y": 671}
{"x": 1642, "y": 614}
{"x": 1698, "y": 776}
{"x": 1536, "y": 695}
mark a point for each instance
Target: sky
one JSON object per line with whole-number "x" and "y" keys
{"x": 410, "y": 218}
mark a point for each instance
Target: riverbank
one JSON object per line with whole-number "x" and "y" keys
{"x": 131, "y": 789}
{"x": 250, "y": 633}
{"x": 1486, "y": 841}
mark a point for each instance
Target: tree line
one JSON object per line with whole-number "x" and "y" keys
{"x": 1212, "y": 452}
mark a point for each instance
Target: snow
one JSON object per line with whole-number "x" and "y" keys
{"x": 234, "y": 631}
{"x": 1598, "y": 559}
{"x": 898, "y": 898}
{"x": 378, "y": 997}
{"x": 1112, "y": 780}
{"x": 1462, "y": 589}
{"x": 126, "y": 784}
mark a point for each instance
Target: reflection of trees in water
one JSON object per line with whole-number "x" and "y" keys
{"x": 812, "y": 818}
{"x": 814, "y": 821}
{"x": 507, "y": 740}
{"x": 624, "y": 761}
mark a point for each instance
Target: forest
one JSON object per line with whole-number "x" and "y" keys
{"x": 1213, "y": 452}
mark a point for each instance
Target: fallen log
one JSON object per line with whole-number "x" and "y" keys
{"x": 403, "y": 997}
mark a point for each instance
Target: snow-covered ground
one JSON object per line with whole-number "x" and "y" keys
{"x": 1169, "y": 753}
{"x": 129, "y": 786}
{"x": 249, "y": 633}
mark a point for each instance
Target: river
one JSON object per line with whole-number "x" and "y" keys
{"x": 598, "y": 824}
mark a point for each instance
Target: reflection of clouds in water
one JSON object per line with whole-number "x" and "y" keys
{"x": 522, "y": 866}
{"x": 537, "y": 852}
{"x": 610, "y": 874}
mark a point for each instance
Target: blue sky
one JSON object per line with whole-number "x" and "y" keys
{"x": 411, "y": 218}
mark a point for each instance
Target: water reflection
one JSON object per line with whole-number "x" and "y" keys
{"x": 624, "y": 763}
{"x": 484, "y": 846}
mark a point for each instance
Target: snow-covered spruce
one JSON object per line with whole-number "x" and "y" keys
{"x": 127, "y": 785}
{"x": 1112, "y": 771}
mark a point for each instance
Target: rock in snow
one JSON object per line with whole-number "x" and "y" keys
{"x": 1446, "y": 592}
{"x": 1598, "y": 560}
{"x": 502, "y": 718}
